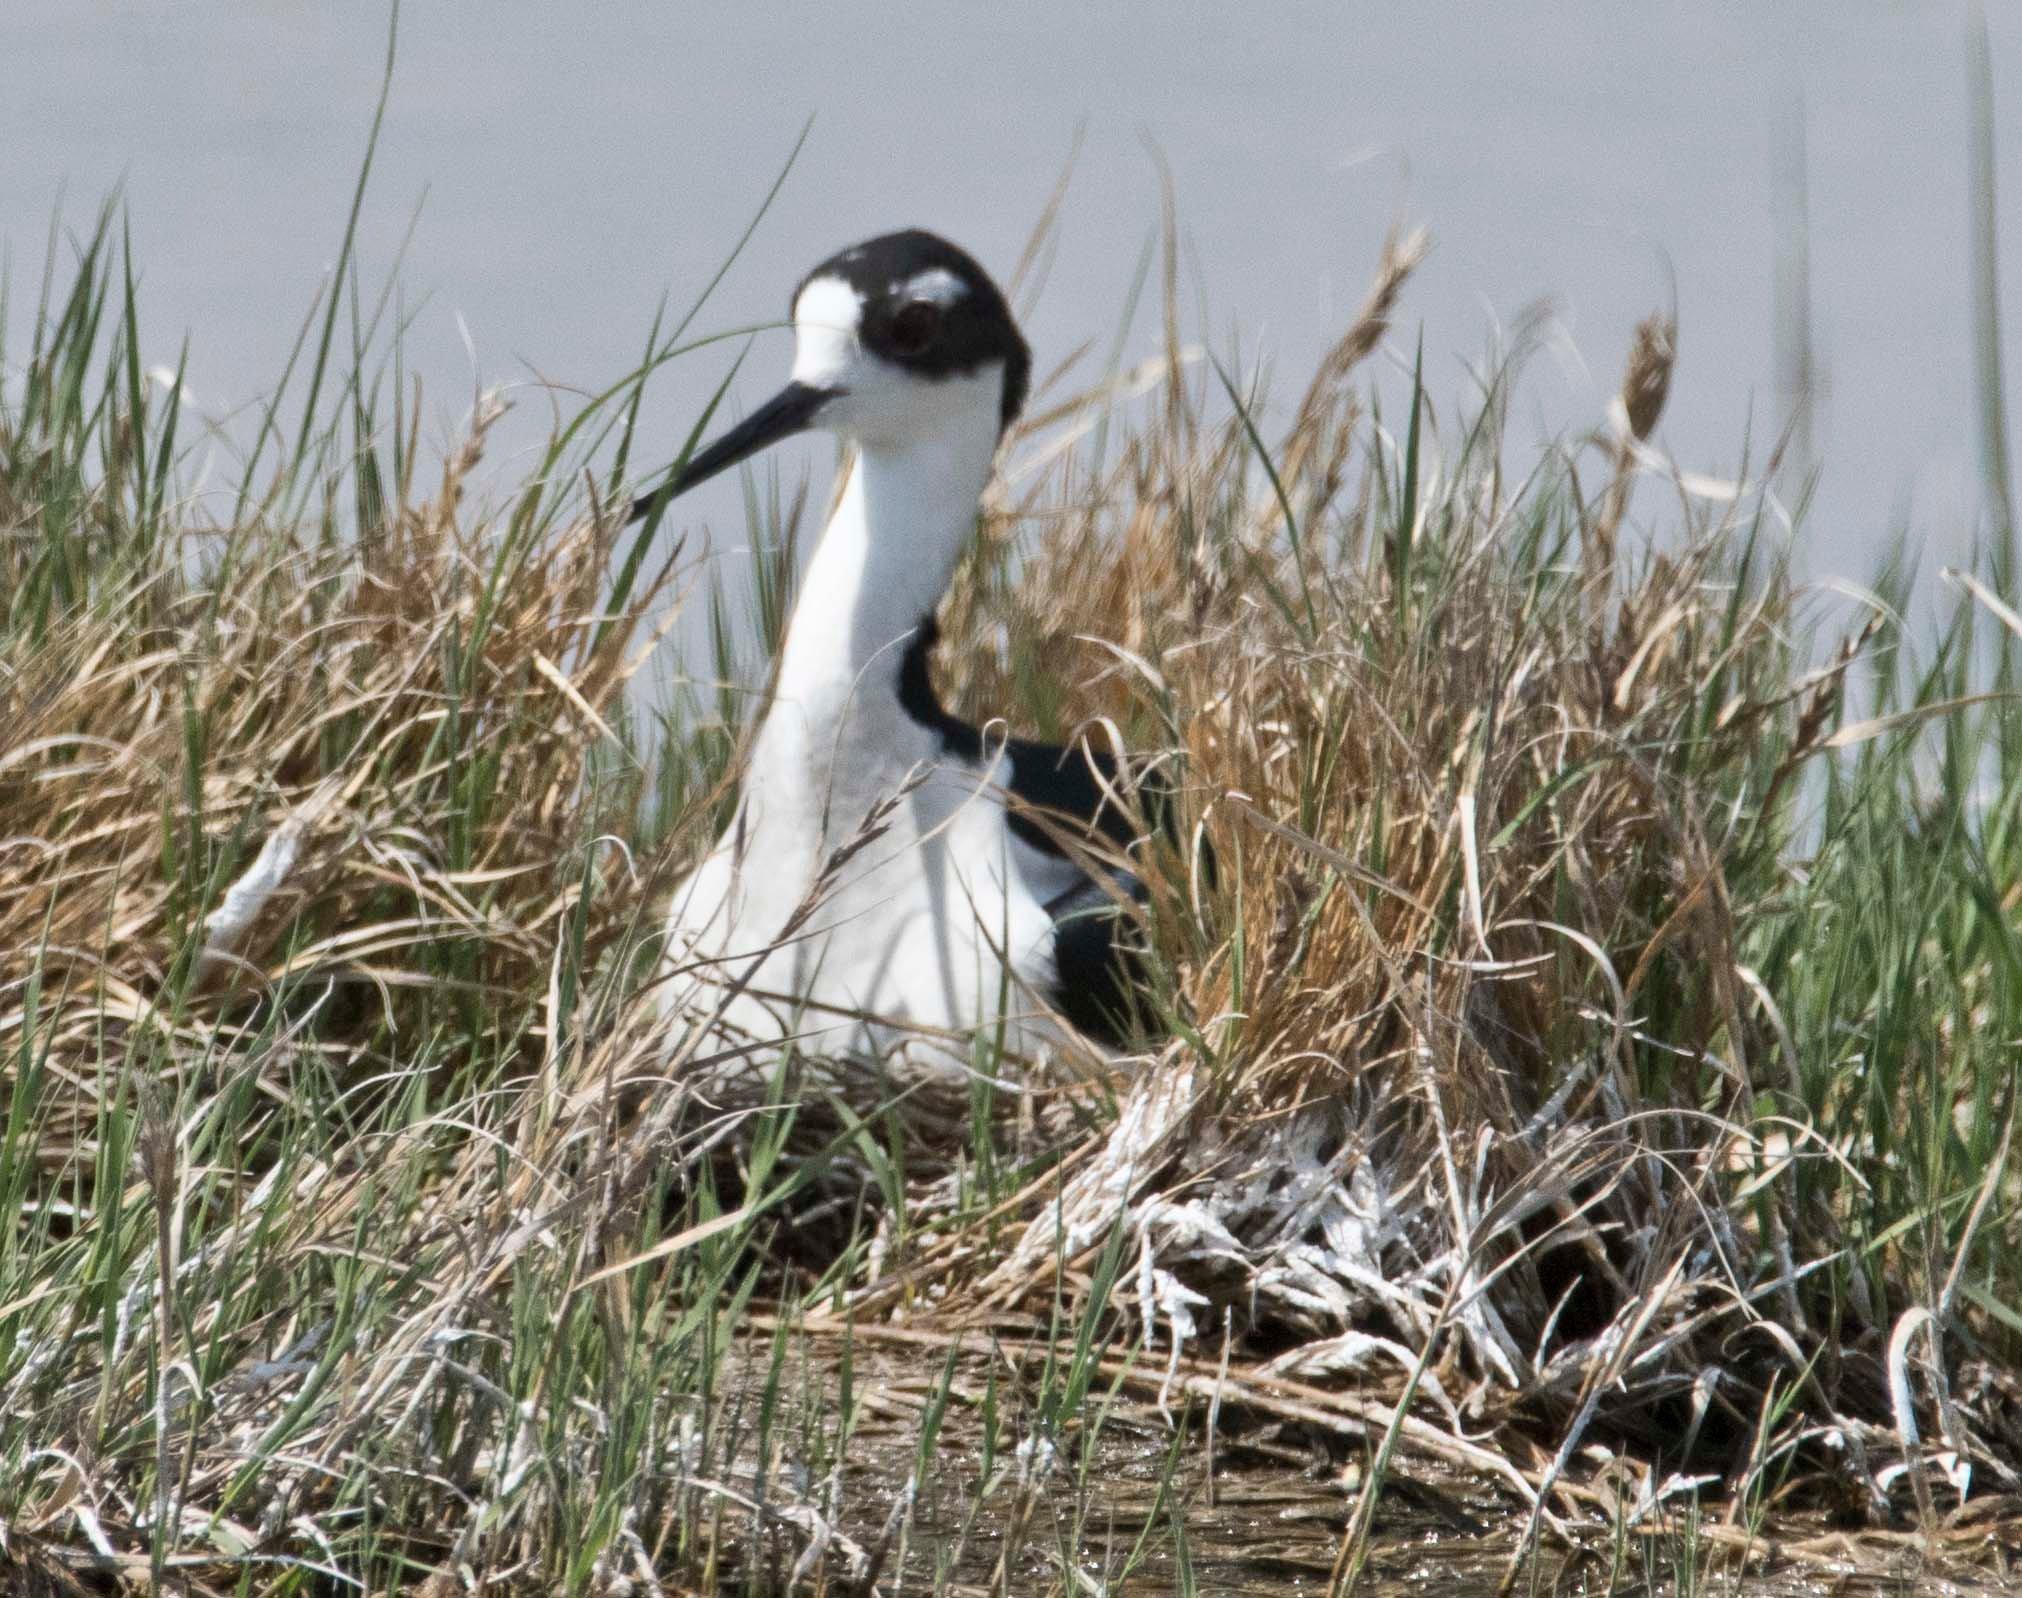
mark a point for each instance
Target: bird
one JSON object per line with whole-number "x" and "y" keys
{"x": 894, "y": 880}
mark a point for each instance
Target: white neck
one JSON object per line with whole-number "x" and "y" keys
{"x": 835, "y": 734}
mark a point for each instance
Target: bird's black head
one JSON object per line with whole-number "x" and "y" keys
{"x": 896, "y": 336}
{"x": 926, "y": 306}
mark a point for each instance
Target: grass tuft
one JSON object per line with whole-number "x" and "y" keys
{"x": 1588, "y": 960}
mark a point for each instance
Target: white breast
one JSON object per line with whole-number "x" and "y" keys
{"x": 925, "y": 934}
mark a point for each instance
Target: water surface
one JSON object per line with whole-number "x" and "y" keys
{"x": 573, "y": 164}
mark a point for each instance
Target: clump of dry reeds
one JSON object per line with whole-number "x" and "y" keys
{"x": 320, "y": 857}
{"x": 1476, "y": 1096}
{"x": 346, "y": 769}
{"x": 362, "y": 1219}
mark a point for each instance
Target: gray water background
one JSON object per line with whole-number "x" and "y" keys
{"x": 574, "y": 163}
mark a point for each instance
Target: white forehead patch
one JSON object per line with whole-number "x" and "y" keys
{"x": 937, "y": 284}
{"x": 831, "y": 303}
{"x": 826, "y": 316}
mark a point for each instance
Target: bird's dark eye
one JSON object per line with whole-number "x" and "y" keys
{"x": 914, "y": 326}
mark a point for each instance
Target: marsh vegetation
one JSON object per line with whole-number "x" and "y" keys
{"x": 1583, "y": 1137}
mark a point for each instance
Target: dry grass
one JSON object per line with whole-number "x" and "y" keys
{"x": 1478, "y": 1092}
{"x": 1536, "y": 948}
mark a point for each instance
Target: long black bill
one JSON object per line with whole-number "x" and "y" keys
{"x": 791, "y": 410}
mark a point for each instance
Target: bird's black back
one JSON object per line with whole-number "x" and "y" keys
{"x": 1056, "y": 790}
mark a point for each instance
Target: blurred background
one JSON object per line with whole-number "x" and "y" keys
{"x": 1798, "y": 177}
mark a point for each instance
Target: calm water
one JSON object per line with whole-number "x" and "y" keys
{"x": 573, "y": 164}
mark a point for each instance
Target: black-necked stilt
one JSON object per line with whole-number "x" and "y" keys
{"x": 964, "y": 910}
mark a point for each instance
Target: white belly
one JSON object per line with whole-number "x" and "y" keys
{"x": 922, "y": 937}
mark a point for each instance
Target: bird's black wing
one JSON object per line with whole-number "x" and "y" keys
{"x": 1071, "y": 784}
{"x": 1077, "y": 787}
{"x": 1098, "y": 962}
{"x": 1059, "y": 793}
{"x": 1098, "y": 954}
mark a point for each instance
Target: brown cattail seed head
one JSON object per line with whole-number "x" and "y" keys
{"x": 1648, "y": 378}
{"x": 154, "y": 1146}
